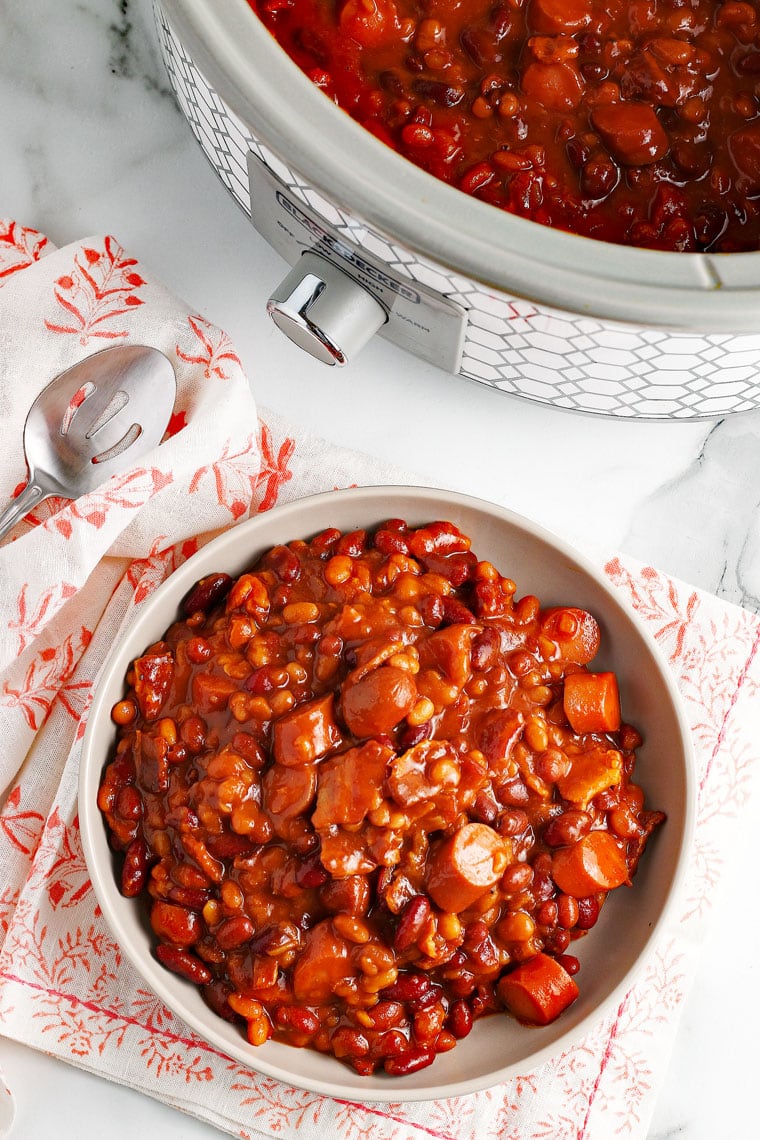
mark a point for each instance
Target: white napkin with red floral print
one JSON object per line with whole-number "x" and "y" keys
{"x": 71, "y": 576}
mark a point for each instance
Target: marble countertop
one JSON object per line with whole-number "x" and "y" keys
{"x": 91, "y": 141}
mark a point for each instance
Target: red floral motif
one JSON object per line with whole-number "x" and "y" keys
{"x": 8, "y": 902}
{"x": 177, "y": 423}
{"x": 101, "y": 286}
{"x": 59, "y": 863}
{"x": 19, "y": 248}
{"x": 274, "y": 468}
{"x": 21, "y": 828}
{"x": 167, "y": 1060}
{"x": 145, "y": 574}
{"x": 47, "y": 679}
{"x": 278, "y": 1106}
{"x": 151, "y": 1011}
{"x": 658, "y": 602}
{"x": 215, "y": 352}
{"x": 129, "y": 491}
{"x": 235, "y": 476}
{"x": 453, "y": 1116}
{"x": 30, "y": 624}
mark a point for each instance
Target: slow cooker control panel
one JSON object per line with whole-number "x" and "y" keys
{"x": 338, "y": 294}
{"x": 324, "y": 311}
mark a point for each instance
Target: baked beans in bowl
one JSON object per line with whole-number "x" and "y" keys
{"x": 391, "y": 776}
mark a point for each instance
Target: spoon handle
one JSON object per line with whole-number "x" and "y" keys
{"x": 31, "y": 495}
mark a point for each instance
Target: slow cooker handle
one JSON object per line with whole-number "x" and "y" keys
{"x": 325, "y": 311}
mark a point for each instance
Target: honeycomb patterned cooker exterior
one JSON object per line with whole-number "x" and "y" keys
{"x": 510, "y": 344}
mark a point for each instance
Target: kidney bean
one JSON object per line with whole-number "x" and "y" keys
{"x": 285, "y": 563}
{"x": 385, "y": 1015}
{"x": 198, "y": 650}
{"x": 569, "y": 963}
{"x": 463, "y": 984}
{"x": 389, "y": 541}
{"x": 408, "y": 987}
{"x": 234, "y": 932}
{"x": 192, "y": 732}
{"x": 206, "y": 593}
{"x": 128, "y": 804}
{"x": 459, "y": 1021}
{"x": 216, "y": 993}
{"x": 547, "y": 913}
{"x": 514, "y": 821}
{"x": 484, "y": 809}
{"x": 298, "y": 1018}
{"x": 194, "y": 898}
{"x": 228, "y": 845}
{"x": 588, "y": 912}
{"x": 184, "y": 963}
{"x": 135, "y": 868}
{"x": 556, "y": 941}
{"x": 415, "y": 917}
{"x": 485, "y": 650}
{"x": 412, "y": 734}
{"x": 410, "y": 1061}
{"x": 568, "y": 911}
{"x": 512, "y": 794}
{"x": 566, "y": 828}
{"x": 599, "y": 178}
{"x": 353, "y": 544}
{"x": 445, "y": 1041}
{"x": 431, "y": 609}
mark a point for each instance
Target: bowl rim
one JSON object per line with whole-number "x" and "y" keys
{"x": 249, "y": 71}
{"x": 92, "y": 762}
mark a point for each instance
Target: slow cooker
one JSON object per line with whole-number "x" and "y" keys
{"x": 378, "y": 245}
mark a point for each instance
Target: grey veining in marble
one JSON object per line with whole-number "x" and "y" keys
{"x": 707, "y": 517}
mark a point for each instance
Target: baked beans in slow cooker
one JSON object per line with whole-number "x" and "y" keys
{"x": 631, "y": 121}
{"x": 370, "y": 795}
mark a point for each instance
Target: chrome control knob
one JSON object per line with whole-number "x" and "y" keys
{"x": 324, "y": 311}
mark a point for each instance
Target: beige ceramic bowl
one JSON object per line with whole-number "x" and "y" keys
{"x": 613, "y": 953}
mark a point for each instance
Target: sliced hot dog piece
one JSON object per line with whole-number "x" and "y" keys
{"x": 592, "y": 702}
{"x": 592, "y": 864}
{"x": 375, "y": 704}
{"x": 465, "y": 866}
{"x": 575, "y": 633}
{"x": 287, "y": 792}
{"x": 537, "y": 991}
{"x": 306, "y": 733}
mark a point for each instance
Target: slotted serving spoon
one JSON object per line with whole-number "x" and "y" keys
{"x": 96, "y": 418}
